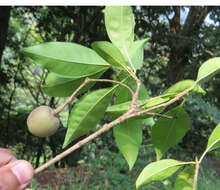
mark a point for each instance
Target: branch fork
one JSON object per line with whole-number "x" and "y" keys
{"x": 134, "y": 111}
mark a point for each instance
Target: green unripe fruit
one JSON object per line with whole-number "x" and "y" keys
{"x": 41, "y": 122}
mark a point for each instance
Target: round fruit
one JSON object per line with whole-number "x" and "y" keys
{"x": 41, "y": 122}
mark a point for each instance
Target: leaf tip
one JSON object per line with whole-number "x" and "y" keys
{"x": 64, "y": 145}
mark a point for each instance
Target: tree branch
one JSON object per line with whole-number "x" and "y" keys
{"x": 113, "y": 81}
{"x": 196, "y": 16}
{"x": 203, "y": 14}
{"x": 135, "y": 95}
{"x": 87, "y": 80}
{"x": 175, "y": 21}
{"x": 191, "y": 17}
{"x": 196, "y": 174}
{"x": 105, "y": 128}
{"x": 132, "y": 112}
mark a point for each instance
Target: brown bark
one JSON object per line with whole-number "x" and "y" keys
{"x": 181, "y": 42}
{"x": 4, "y": 18}
{"x": 175, "y": 22}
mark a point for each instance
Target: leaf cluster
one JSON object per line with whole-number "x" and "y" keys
{"x": 72, "y": 65}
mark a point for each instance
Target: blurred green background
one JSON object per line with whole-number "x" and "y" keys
{"x": 181, "y": 39}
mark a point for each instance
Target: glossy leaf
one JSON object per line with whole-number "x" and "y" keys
{"x": 214, "y": 139}
{"x": 151, "y": 102}
{"x": 128, "y": 137}
{"x": 119, "y": 23}
{"x": 158, "y": 171}
{"x": 87, "y": 113}
{"x": 120, "y": 109}
{"x": 184, "y": 180}
{"x": 184, "y": 85}
{"x": 110, "y": 53}
{"x": 208, "y": 69}
{"x": 168, "y": 132}
{"x": 67, "y": 59}
{"x": 136, "y": 53}
{"x": 61, "y": 87}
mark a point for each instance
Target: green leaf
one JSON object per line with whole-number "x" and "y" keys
{"x": 119, "y": 23}
{"x": 128, "y": 137}
{"x": 122, "y": 108}
{"x": 136, "y": 52}
{"x": 61, "y": 87}
{"x": 208, "y": 69}
{"x": 151, "y": 102}
{"x": 168, "y": 132}
{"x": 110, "y": 53}
{"x": 119, "y": 109}
{"x": 87, "y": 112}
{"x": 122, "y": 94}
{"x": 67, "y": 59}
{"x": 184, "y": 180}
{"x": 158, "y": 171}
{"x": 184, "y": 85}
{"x": 214, "y": 139}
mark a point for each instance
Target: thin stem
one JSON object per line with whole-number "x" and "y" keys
{"x": 141, "y": 105}
{"x": 161, "y": 115}
{"x": 167, "y": 103}
{"x": 87, "y": 80}
{"x": 113, "y": 81}
{"x": 135, "y": 96}
{"x": 60, "y": 108}
{"x": 207, "y": 150}
{"x": 196, "y": 174}
{"x": 133, "y": 112}
{"x": 105, "y": 128}
{"x": 203, "y": 155}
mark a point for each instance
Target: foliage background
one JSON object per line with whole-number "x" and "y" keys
{"x": 181, "y": 38}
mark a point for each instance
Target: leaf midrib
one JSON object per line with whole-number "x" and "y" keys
{"x": 83, "y": 118}
{"x": 70, "y": 80}
{"x": 134, "y": 142}
{"x": 63, "y": 60}
{"x": 182, "y": 163}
